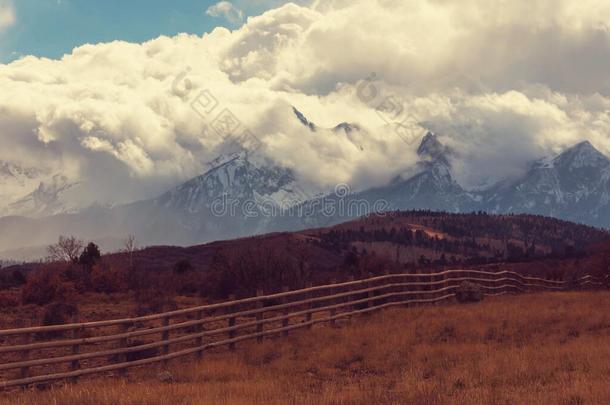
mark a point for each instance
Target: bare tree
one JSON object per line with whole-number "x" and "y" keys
{"x": 129, "y": 247}
{"x": 67, "y": 248}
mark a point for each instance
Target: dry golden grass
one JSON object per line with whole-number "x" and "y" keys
{"x": 541, "y": 348}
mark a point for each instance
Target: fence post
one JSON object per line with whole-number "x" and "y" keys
{"x": 414, "y": 288}
{"x": 545, "y": 283}
{"x": 25, "y": 355}
{"x": 422, "y": 287}
{"x": 419, "y": 287}
{"x": 403, "y": 289}
{"x": 124, "y": 328}
{"x": 232, "y": 322}
{"x": 309, "y": 315}
{"x": 370, "y": 294}
{"x": 199, "y": 329}
{"x": 503, "y": 290}
{"x": 349, "y": 298}
{"x": 75, "y": 364}
{"x": 165, "y": 337}
{"x": 333, "y": 311}
{"x": 386, "y": 272}
{"x": 439, "y": 278}
{"x": 259, "y": 316}
{"x": 285, "y": 312}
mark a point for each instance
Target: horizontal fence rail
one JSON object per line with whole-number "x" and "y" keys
{"x": 45, "y": 354}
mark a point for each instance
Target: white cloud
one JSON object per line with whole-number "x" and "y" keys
{"x": 502, "y": 83}
{"x": 227, "y": 10}
{"x": 7, "y": 14}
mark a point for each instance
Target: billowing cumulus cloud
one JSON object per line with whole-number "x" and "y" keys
{"x": 502, "y": 82}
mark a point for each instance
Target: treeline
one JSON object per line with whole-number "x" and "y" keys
{"x": 527, "y": 228}
{"x": 473, "y": 248}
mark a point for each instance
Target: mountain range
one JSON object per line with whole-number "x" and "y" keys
{"x": 245, "y": 194}
{"x": 31, "y": 192}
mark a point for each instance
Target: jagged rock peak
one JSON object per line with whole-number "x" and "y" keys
{"x": 346, "y": 127}
{"x": 432, "y": 149}
{"x": 304, "y": 119}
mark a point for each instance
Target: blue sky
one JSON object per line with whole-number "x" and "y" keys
{"x": 51, "y": 28}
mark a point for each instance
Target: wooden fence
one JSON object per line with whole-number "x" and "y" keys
{"x": 37, "y": 355}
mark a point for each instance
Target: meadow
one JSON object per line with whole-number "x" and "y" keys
{"x": 533, "y": 348}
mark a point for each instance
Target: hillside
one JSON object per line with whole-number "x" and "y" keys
{"x": 166, "y": 277}
{"x": 394, "y": 241}
{"x": 540, "y": 348}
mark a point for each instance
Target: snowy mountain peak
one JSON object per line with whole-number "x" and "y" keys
{"x": 238, "y": 178}
{"x": 572, "y": 185}
{"x": 581, "y": 155}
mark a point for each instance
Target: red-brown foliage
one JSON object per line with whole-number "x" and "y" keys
{"x": 108, "y": 279}
{"x": 44, "y": 287}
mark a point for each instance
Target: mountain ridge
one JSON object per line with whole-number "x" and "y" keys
{"x": 242, "y": 195}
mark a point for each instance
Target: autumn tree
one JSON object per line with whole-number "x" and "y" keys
{"x": 89, "y": 256}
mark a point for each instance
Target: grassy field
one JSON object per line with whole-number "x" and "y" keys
{"x": 539, "y": 348}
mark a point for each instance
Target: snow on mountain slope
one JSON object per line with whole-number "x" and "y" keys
{"x": 15, "y": 180}
{"x": 51, "y": 197}
{"x": 237, "y": 179}
{"x": 432, "y": 188}
{"x": 34, "y": 193}
{"x": 573, "y": 185}
{"x": 430, "y": 185}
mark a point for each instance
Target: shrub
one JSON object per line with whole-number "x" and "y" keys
{"x": 43, "y": 288}
{"x": 469, "y": 292}
{"x": 18, "y": 278}
{"x": 107, "y": 279}
{"x": 7, "y": 300}
{"x": 10, "y": 279}
{"x": 189, "y": 284}
{"x": 182, "y": 266}
{"x": 153, "y": 300}
{"x": 73, "y": 273}
{"x": 135, "y": 355}
{"x": 58, "y": 313}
